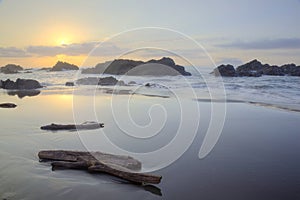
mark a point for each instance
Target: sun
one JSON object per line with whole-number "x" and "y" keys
{"x": 63, "y": 41}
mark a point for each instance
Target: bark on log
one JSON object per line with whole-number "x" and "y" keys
{"x": 69, "y": 165}
{"x": 91, "y": 158}
{"x": 124, "y": 167}
{"x": 130, "y": 176}
{"x": 85, "y": 126}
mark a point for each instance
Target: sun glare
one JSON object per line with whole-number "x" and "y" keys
{"x": 63, "y": 41}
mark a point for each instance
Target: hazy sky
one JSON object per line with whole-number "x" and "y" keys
{"x": 37, "y": 33}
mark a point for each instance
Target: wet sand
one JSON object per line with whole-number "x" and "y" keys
{"x": 256, "y": 156}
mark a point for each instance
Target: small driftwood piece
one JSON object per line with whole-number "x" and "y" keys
{"x": 84, "y": 126}
{"x": 8, "y": 105}
{"x": 124, "y": 167}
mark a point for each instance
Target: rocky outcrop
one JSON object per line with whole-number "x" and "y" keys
{"x": 64, "y": 66}
{"x": 272, "y": 70}
{"x": 20, "y": 84}
{"x": 166, "y": 66}
{"x": 70, "y": 83}
{"x": 291, "y": 69}
{"x": 252, "y": 68}
{"x": 11, "y": 69}
{"x": 225, "y": 70}
{"x": 45, "y": 69}
{"x": 99, "y": 81}
{"x": 259, "y": 69}
{"x": 255, "y": 68}
{"x": 88, "y": 81}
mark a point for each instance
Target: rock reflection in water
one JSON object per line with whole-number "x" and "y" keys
{"x": 24, "y": 93}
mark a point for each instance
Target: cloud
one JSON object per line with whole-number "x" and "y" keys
{"x": 108, "y": 49}
{"x": 95, "y": 49}
{"x": 90, "y": 48}
{"x": 9, "y": 52}
{"x": 45, "y": 50}
{"x": 282, "y": 43}
{"x": 76, "y": 49}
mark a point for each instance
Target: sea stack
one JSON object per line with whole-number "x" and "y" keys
{"x": 64, "y": 66}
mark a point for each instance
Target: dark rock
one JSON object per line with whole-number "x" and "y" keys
{"x": 132, "y": 83}
{"x": 8, "y": 105}
{"x": 291, "y": 69}
{"x": 45, "y": 69}
{"x": 120, "y": 66}
{"x": 20, "y": 84}
{"x": 8, "y": 84}
{"x": 88, "y": 81}
{"x": 252, "y": 68}
{"x": 255, "y": 68}
{"x": 164, "y": 61}
{"x": 11, "y": 69}
{"x": 98, "y": 69}
{"x": 108, "y": 81}
{"x": 70, "y": 84}
{"x": 124, "y": 66}
{"x": 63, "y": 66}
{"x": 27, "y": 84}
{"x": 156, "y": 85}
{"x": 272, "y": 70}
{"x": 98, "y": 81}
{"x": 225, "y": 70}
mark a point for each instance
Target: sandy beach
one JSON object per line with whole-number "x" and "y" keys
{"x": 256, "y": 156}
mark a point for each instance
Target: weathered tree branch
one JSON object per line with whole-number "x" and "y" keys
{"x": 124, "y": 167}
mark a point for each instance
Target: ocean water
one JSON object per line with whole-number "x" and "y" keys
{"x": 254, "y": 122}
{"x": 275, "y": 91}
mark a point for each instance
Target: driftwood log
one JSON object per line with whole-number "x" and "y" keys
{"x": 84, "y": 126}
{"x": 124, "y": 167}
{"x": 8, "y": 105}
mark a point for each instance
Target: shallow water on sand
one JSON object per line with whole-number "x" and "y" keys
{"x": 256, "y": 156}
